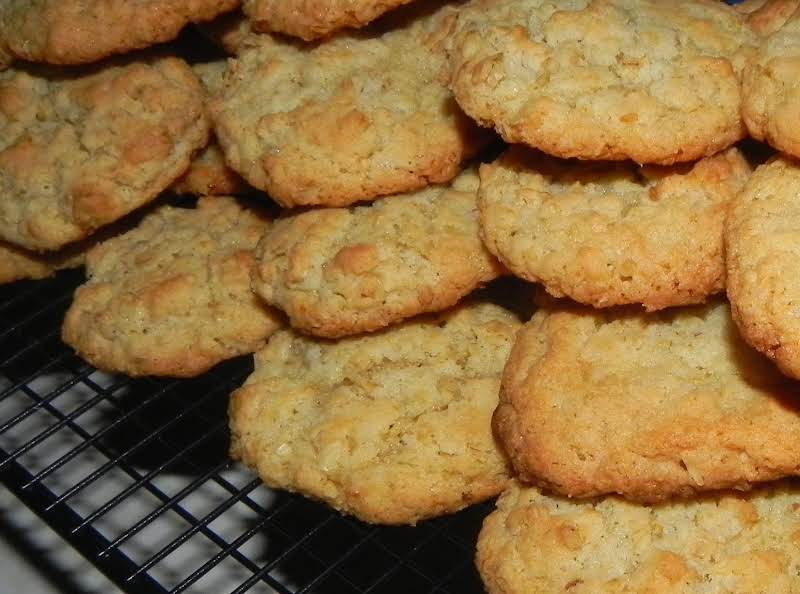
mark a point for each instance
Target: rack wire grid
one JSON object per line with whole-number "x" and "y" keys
{"x": 134, "y": 474}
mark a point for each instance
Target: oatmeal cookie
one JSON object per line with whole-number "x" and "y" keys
{"x": 608, "y": 234}
{"x": 82, "y": 31}
{"x": 391, "y": 427}
{"x": 359, "y": 116}
{"x": 644, "y": 405}
{"x": 172, "y": 297}
{"x": 647, "y": 80}
{"x": 81, "y": 149}
{"x": 339, "y": 271}
{"x": 716, "y": 544}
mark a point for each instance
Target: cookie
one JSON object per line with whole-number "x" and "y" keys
{"x": 651, "y": 81}
{"x": 339, "y": 271}
{"x": 771, "y": 97}
{"x": 356, "y": 117}
{"x": 644, "y": 405}
{"x": 312, "y": 19}
{"x": 611, "y": 233}
{"x": 729, "y": 542}
{"x": 208, "y": 174}
{"x": 82, "y": 31}
{"x": 18, "y": 264}
{"x": 391, "y": 427}
{"x": 767, "y": 16}
{"x": 79, "y": 150}
{"x": 762, "y": 255}
{"x": 172, "y": 297}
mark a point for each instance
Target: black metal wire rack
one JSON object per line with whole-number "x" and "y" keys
{"x": 134, "y": 474}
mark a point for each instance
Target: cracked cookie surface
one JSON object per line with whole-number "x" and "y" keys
{"x": 361, "y": 115}
{"x": 715, "y": 544}
{"x": 391, "y": 427}
{"x": 172, "y": 297}
{"x": 763, "y": 249}
{"x": 644, "y": 405}
{"x": 82, "y": 31}
{"x": 340, "y": 271}
{"x": 82, "y": 149}
{"x": 651, "y": 81}
{"x": 608, "y": 234}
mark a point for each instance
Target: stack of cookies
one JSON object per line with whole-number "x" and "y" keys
{"x": 629, "y": 424}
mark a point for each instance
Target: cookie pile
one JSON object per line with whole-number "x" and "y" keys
{"x": 631, "y": 424}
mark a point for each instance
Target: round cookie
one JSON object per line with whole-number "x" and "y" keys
{"x": 356, "y": 117}
{"x": 771, "y": 96}
{"x": 172, "y": 297}
{"x": 391, "y": 427}
{"x": 763, "y": 251}
{"x": 312, "y": 19}
{"x": 208, "y": 174}
{"x": 729, "y": 542}
{"x": 647, "y": 80}
{"x": 644, "y": 405}
{"x": 339, "y": 271}
{"x": 82, "y": 31}
{"x": 608, "y": 234}
{"x": 79, "y": 150}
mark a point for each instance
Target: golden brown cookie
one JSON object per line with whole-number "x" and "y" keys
{"x": 312, "y": 19}
{"x": 339, "y": 271}
{"x": 763, "y": 251}
{"x": 771, "y": 96}
{"x": 172, "y": 297}
{"x": 717, "y": 544}
{"x": 644, "y": 405}
{"x": 359, "y": 116}
{"x": 646, "y": 80}
{"x": 79, "y": 150}
{"x": 208, "y": 174}
{"x": 81, "y": 31}
{"x": 608, "y": 234}
{"x": 391, "y": 427}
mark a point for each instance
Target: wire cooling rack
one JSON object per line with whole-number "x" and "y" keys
{"x": 134, "y": 474}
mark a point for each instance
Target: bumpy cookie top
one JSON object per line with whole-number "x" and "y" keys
{"x": 392, "y": 427}
{"x": 763, "y": 243}
{"x": 81, "y": 31}
{"x": 311, "y": 19}
{"x": 339, "y": 271}
{"x": 771, "y": 104}
{"x": 172, "y": 297}
{"x": 648, "y": 80}
{"x": 79, "y": 150}
{"x": 730, "y": 542}
{"x": 208, "y": 174}
{"x": 608, "y": 234}
{"x": 358, "y": 116}
{"x": 645, "y": 405}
